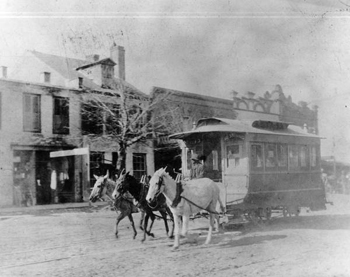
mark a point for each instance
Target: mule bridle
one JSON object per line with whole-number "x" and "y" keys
{"x": 103, "y": 186}
{"x": 160, "y": 184}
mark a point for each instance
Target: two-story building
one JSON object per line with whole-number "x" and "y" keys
{"x": 44, "y": 152}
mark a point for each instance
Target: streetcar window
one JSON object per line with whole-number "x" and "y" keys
{"x": 303, "y": 156}
{"x": 282, "y": 155}
{"x": 293, "y": 156}
{"x": 189, "y": 155}
{"x": 313, "y": 156}
{"x": 257, "y": 156}
{"x": 270, "y": 155}
{"x": 233, "y": 155}
{"x": 215, "y": 160}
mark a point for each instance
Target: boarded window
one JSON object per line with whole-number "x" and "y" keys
{"x": 60, "y": 115}
{"x": 31, "y": 113}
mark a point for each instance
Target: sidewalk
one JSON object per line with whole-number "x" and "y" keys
{"x": 50, "y": 208}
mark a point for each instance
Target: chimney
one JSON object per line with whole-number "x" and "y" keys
{"x": 118, "y": 56}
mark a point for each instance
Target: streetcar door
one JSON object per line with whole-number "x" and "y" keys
{"x": 235, "y": 170}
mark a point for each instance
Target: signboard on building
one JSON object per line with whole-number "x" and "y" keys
{"x": 73, "y": 152}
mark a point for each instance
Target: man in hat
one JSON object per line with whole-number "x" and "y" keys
{"x": 197, "y": 170}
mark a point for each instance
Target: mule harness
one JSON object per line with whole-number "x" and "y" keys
{"x": 191, "y": 202}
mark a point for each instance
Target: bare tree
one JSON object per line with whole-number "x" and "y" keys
{"x": 120, "y": 117}
{"x": 116, "y": 116}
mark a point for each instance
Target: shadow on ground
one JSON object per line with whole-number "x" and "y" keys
{"x": 250, "y": 240}
{"x": 316, "y": 222}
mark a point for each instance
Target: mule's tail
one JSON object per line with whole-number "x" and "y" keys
{"x": 222, "y": 207}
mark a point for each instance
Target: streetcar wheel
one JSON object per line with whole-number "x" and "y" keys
{"x": 253, "y": 217}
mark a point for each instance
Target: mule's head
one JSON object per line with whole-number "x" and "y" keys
{"x": 119, "y": 185}
{"x": 155, "y": 185}
{"x": 99, "y": 188}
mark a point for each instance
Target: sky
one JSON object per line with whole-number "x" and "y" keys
{"x": 205, "y": 47}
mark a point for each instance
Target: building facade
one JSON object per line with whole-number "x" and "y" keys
{"x": 45, "y": 155}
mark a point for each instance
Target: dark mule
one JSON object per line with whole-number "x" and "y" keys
{"x": 106, "y": 187}
{"x": 139, "y": 191}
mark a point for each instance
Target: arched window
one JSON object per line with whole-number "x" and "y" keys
{"x": 259, "y": 108}
{"x": 242, "y": 105}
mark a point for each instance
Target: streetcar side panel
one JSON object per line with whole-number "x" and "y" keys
{"x": 285, "y": 172}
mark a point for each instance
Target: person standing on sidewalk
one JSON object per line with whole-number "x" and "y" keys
{"x": 27, "y": 186}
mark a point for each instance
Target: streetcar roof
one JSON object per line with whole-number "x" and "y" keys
{"x": 225, "y": 125}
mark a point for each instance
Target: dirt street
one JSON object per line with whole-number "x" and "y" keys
{"x": 82, "y": 243}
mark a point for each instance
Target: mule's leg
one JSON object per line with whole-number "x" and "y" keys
{"x": 164, "y": 216}
{"x": 210, "y": 231}
{"x": 142, "y": 219}
{"x": 177, "y": 232}
{"x": 217, "y": 222}
{"x": 151, "y": 225}
{"x": 172, "y": 219}
{"x": 145, "y": 227}
{"x": 132, "y": 224}
{"x": 185, "y": 221}
{"x": 119, "y": 218}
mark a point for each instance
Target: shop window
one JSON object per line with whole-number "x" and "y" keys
{"x": 270, "y": 155}
{"x": 282, "y": 155}
{"x": 293, "y": 156}
{"x": 60, "y": 115}
{"x": 31, "y": 113}
{"x": 256, "y": 157}
{"x": 139, "y": 165}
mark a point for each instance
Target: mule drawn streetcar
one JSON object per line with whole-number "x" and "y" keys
{"x": 260, "y": 166}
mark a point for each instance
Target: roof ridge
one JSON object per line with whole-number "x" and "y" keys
{"x": 54, "y": 55}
